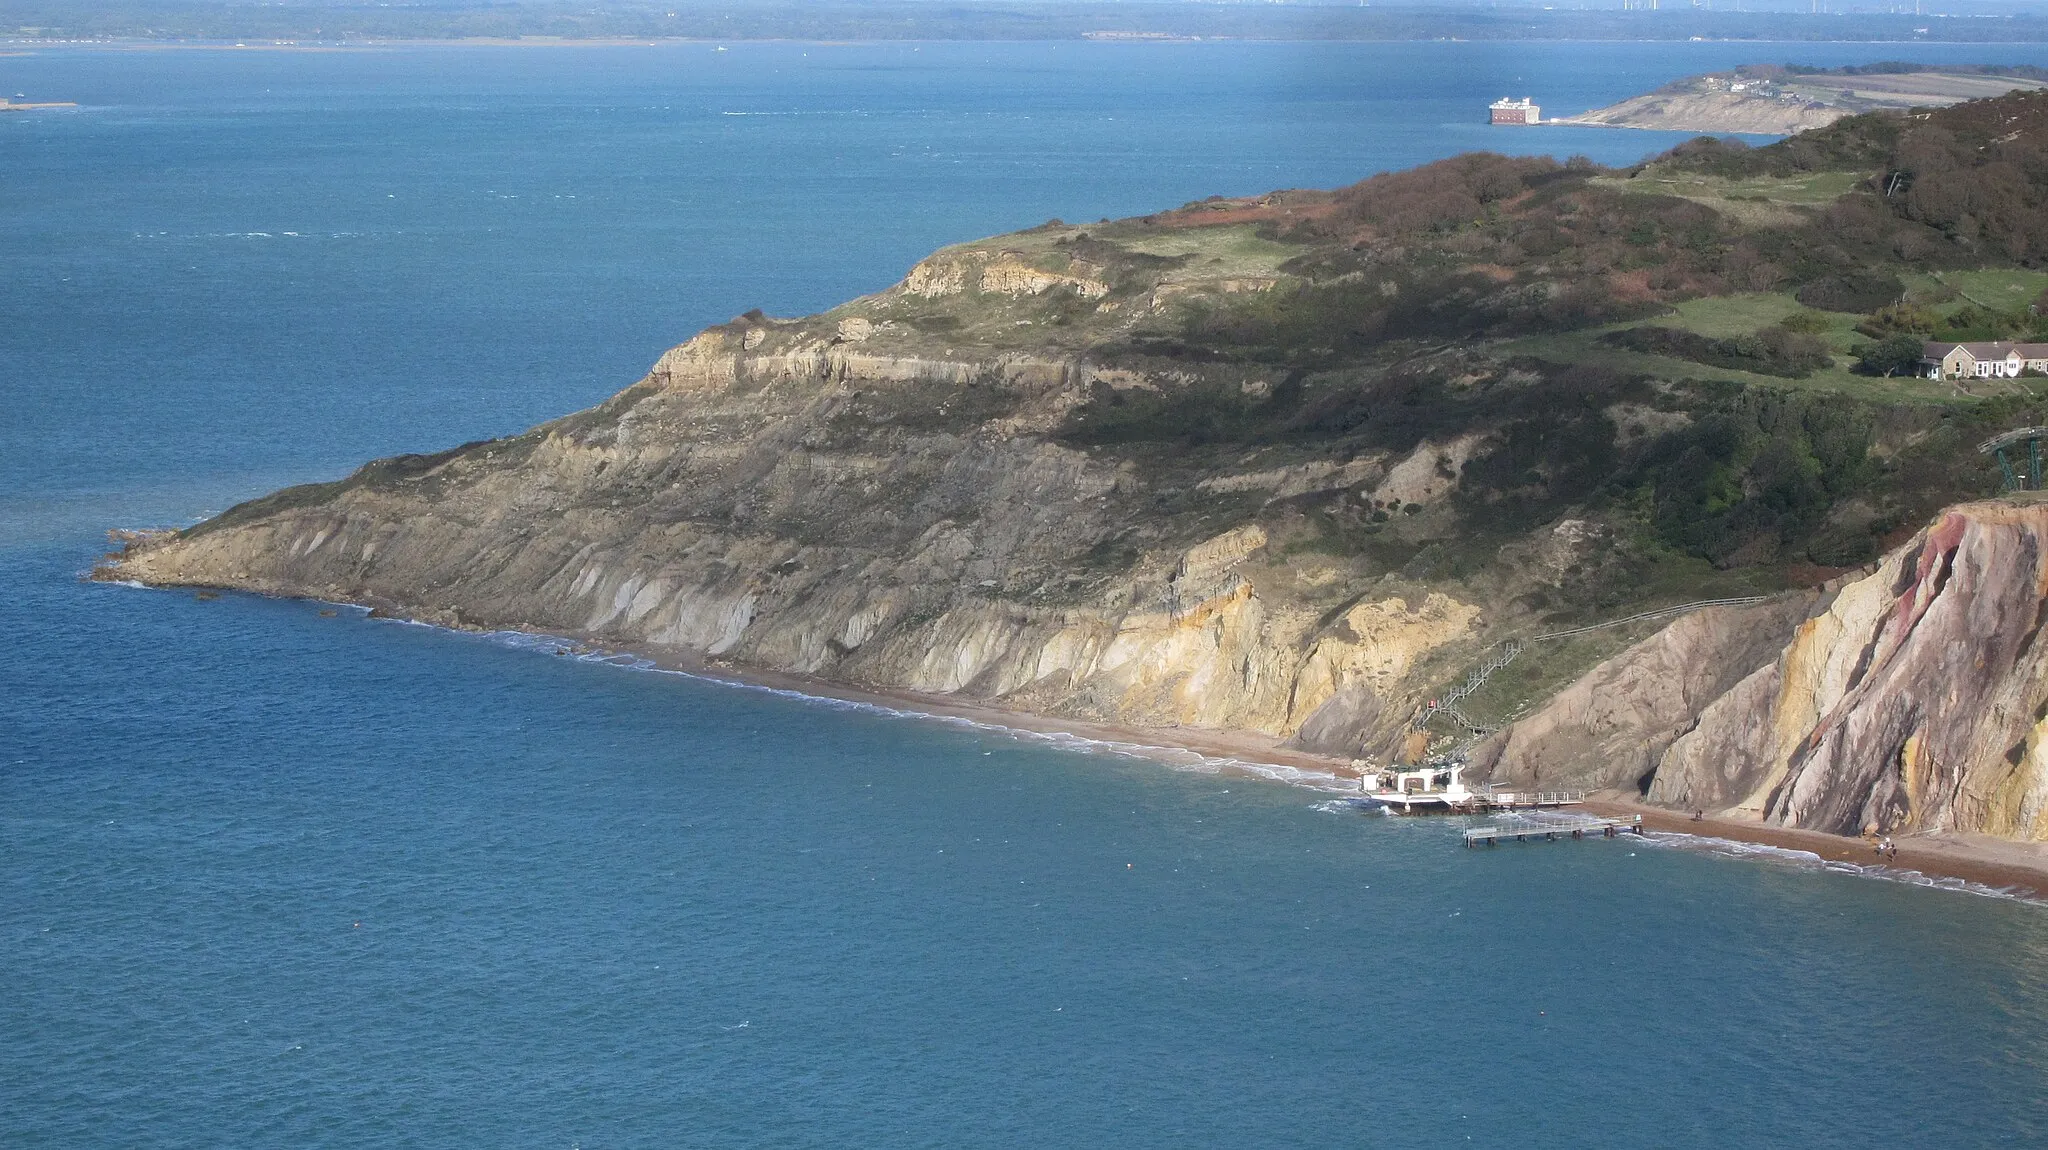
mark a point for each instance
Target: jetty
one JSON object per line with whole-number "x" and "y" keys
{"x": 1548, "y": 826}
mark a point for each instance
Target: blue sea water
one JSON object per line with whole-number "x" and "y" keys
{"x": 270, "y": 876}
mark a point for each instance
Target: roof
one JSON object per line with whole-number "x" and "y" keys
{"x": 1937, "y": 351}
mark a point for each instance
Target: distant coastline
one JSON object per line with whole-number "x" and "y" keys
{"x": 332, "y": 22}
{"x": 1774, "y": 100}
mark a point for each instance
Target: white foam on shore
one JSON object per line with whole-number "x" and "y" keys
{"x": 1183, "y": 759}
{"x": 1177, "y": 758}
{"x": 1354, "y": 804}
{"x": 1808, "y": 860}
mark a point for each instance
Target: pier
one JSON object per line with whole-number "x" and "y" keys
{"x": 1548, "y": 826}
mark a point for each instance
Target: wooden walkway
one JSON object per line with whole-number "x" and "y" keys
{"x": 1547, "y": 826}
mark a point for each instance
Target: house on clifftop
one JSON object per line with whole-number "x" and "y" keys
{"x": 1982, "y": 360}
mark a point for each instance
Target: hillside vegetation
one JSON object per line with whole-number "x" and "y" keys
{"x": 1682, "y": 364}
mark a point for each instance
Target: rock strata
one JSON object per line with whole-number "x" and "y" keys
{"x": 723, "y": 507}
{"x": 1914, "y": 699}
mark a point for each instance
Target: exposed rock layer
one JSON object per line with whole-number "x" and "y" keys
{"x": 722, "y": 507}
{"x": 1915, "y": 700}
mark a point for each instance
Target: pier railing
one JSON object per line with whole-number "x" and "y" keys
{"x": 1546, "y": 826}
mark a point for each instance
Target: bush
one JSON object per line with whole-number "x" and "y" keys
{"x": 1899, "y": 317}
{"x": 1769, "y": 351}
{"x": 1852, "y": 292}
{"x": 1808, "y": 322}
{"x": 1895, "y": 354}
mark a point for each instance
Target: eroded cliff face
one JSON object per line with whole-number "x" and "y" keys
{"x": 1912, "y": 699}
{"x": 780, "y": 497}
{"x": 1610, "y": 729}
{"x": 1915, "y": 702}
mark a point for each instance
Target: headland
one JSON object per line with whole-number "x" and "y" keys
{"x": 1414, "y": 468}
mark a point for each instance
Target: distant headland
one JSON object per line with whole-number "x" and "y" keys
{"x": 1780, "y": 100}
{"x": 8, "y": 105}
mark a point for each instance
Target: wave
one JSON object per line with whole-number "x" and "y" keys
{"x": 1181, "y": 758}
{"x": 1808, "y": 860}
{"x": 1177, "y": 758}
{"x": 1348, "y": 805}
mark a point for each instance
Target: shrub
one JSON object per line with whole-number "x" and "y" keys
{"x": 1852, "y": 292}
{"x": 1895, "y": 354}
{"x": 1769, "y": 351}
{"x": 1899, "y": 317}
{"x": 1807, "y": 322}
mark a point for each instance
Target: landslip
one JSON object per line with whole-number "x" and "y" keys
{"x": 1287, "y": 468}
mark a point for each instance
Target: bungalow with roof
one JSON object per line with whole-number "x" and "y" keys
{"x": 1982, "y": 360}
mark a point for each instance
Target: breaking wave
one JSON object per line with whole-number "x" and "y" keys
{"x": 1809, "y": 861}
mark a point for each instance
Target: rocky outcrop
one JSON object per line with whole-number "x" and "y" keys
{"x": 1915, "y": 702}
{"x": 1914, "y": 699}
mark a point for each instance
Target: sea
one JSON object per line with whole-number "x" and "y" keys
{"x": 275, "y": 873}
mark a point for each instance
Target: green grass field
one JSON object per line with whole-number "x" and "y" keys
{"x": 1232, "y": 250}
{"x": 2000, "y": 289}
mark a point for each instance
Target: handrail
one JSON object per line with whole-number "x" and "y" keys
{"x": 2007, "y": 439}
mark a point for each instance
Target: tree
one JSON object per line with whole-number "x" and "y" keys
{"x": 1896, "y": 354}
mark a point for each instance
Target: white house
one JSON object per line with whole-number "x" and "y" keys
{"x": 1981, "y": 360}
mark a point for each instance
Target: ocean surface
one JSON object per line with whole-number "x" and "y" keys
{"x": 278, "y": 875}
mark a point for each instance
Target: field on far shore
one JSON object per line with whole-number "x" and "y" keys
{"x": 1772, "y": 101}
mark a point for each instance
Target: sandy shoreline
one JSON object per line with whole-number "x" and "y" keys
{"x": 2021, "y": 868}
{"x": 2018, "y": 868}
{"x": 1155, "y": 742}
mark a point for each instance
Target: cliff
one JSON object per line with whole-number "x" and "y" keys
{"x": 1289, "y": 465}
{"x": 783, "y": 501}
{"x": 1912, "y": 699}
